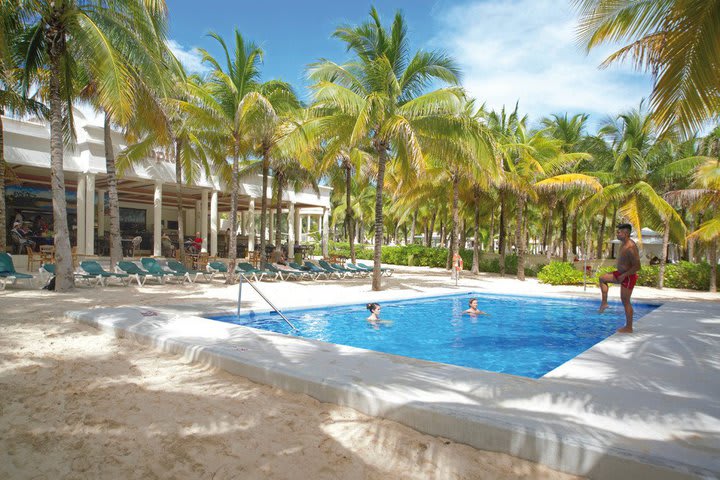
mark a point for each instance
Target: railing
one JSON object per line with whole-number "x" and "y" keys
{"x": 264, "y": 298}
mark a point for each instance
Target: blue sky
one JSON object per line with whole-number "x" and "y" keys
{"x": 512, "y": 50}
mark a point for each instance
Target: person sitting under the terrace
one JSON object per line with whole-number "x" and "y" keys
{"x": 18, "y": 233}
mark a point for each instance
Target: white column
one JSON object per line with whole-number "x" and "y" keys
{"x": 241, "y": 223}
{"x": 309, "y": 228}
{"x": 90, "y": 214}
{"x": 271, "y": 236}
{"x": 101, "y": 213}
{"x": 325, "y": 231}
{"x": 298, "y": 226}
{"x": 198, "y": 207}
{"x": 157, "y": 224}
{"x": 204, "y": 220}
{"x": 291, "y": 230}
{"x": 213, "y": 223}
{"x": 80, "y": 221}
{"x": 251, "y": 225}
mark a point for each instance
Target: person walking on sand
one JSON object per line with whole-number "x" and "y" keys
{"x": 628, "y": 264}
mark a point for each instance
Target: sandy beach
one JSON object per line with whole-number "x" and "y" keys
{"x": 77, "y": 403}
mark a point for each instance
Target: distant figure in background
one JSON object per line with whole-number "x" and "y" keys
{"x": 168, "y": 249}
{"x": 19, "y": 218}
{"x": 628, "y": 264}
{"x": 39, "y": 225}
{"x": 195, "y": 245}
{"x": 654, "y": 260}
{"x": 278, "y": 256}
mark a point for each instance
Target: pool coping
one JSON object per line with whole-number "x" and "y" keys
{"x": 576, "y": 418}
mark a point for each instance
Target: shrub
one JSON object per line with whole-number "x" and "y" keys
{"x": 560, "y": 273}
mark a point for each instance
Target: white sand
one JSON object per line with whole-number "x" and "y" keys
{"x": 76, "y": 403}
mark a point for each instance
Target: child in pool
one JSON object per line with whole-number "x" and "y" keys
{"x": 473, "y": 310}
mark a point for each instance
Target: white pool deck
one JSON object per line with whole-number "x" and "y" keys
{"x": 645, "y": 405}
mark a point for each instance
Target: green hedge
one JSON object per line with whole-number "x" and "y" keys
{"x": 420, "y": 255}
{"x": 693, "y": 276}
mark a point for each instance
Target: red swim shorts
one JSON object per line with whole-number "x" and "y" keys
{"x": 629, "y": 281}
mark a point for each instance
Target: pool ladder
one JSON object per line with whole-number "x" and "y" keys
{"x": 264, "y": 298}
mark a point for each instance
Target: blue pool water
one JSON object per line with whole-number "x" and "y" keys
{"x": 527, "y": 336}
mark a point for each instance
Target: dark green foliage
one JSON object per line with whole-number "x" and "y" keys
{"x": 429, "y": 257}
{"x": 560, "y": 273}
{"x": 693, "y": 276}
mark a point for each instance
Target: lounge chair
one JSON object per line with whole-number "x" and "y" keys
{"x": 332, "y": 270}
{"x": 91, "y": 267}
{"x": 320, "y": 271}
{"x": 191, "y": 275}
{"x": 383, "y": 270}
{"x": 217, "y": 268}
{"x": 302, "y": 273}
{"x": 283, "y": 274}
{"x": 355, "y": 268}
{"x": 247, "y": 270}
{"x": 48, "y": 270}
{"x": 349, "y": 271}
{"x": 138, "y": 273}
{"x": 152, "y": 266}
{"x": 315, "y": 273}
{"x": 8, "y": 274}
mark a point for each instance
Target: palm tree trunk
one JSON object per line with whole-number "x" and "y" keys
{"x": 691, "y": 243}
{"x": 63, "y": 253}
{"x": 448, "y": 257}
{"x": 278, "y": 210}
{"x": 412, "y": 228}
{"x": 455, "y": 217}
{"x": 520, "y": 238}
{"x": 713, "y": 265}
{"x": 501, "y": 240}
{"x": 116, "y": 253}
{"x": 349, "y": 212}
{"x": 463, "y": 235}
{"x": 563, "y": 233}
{"x": 442, "y": 233}
{"x": 664, "y": 258}
{"x": 476, "y": 233}
{"x": 601, "y": 235}
{"x": 264, "y": 202}
{"x": 232, "y": 243}
{"x": 432, "y": 229}
{"x": 3, "y": 221}
{"x": 550, "y": 224}
{"x": 491, "y": 237}
{"x": 575, "y": 234}
{"x": 377, "y": 255}
{"x": 178, "y": 194}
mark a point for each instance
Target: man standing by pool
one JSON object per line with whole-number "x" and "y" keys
{"x": 628, "y": 264}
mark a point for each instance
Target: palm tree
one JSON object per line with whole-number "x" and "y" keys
{"x": 11, "y": 98}
{"x": 382, "y": 90}
{"x": 245, "y": 113}
{"x": 674, "y": 40}
{"x": 60, "y": 36}
{"x": 703, "y": 195}
{"x": 630, "y": 184}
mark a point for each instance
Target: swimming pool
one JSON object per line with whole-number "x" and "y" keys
{"x": 521, "y": 335}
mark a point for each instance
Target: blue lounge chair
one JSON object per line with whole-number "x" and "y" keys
{"x": 47, "y": 270}
{"x": 321, "y": 271}
{"x": 138, "y": 273}
{"x": 283, "y": 274}
{"x": 91, "y": 267}
{"x": 192, "y": 275}
{"x": 8, "y": 274}
{"x": 383, "y": 270}
{"x": 248, "y": 271}
{"x": 332, "y": 270}
{"x": 297, "y": 271}
{"x": 152, "y": 266}
{"x": 316, "y": 274}
{"x": 217, "y": 268}
{"x": 349, "y": 271}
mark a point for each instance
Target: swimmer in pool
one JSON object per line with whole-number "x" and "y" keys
{"x": 374, "y": 317}
{"x": 473, "y": 310}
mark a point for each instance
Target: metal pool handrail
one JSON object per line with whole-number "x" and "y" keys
{"x": 264, "y": 298}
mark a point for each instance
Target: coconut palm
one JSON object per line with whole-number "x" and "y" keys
{"x": 60, "y": 36}
{"x": 674, "y": 40}
{"x": 382, "y": 89}
{"x": 11, "y": 98}
{"x": 246, "y": 113}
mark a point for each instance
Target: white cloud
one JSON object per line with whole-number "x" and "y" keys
{"x": 526, "y": 50}
{"x": 189, "y": 57}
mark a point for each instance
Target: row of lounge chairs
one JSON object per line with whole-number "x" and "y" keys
{"x": 93, "y": 273}
{"x": 295, "y": 271}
